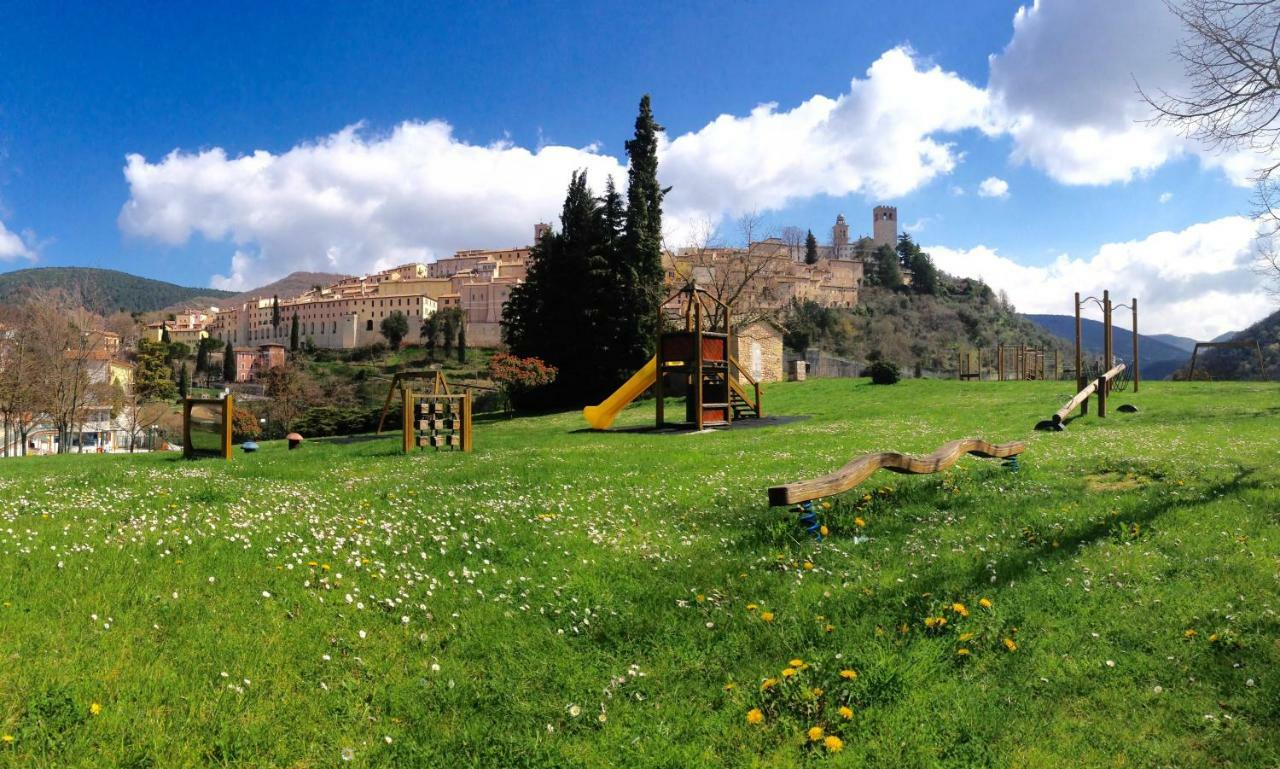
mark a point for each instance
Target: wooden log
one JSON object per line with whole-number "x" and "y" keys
{"x": 1061, "y": 414}
{"x": 860, "y": 468}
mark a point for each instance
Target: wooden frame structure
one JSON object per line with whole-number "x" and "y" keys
{"x": 860, "y": 468}
{"x": 437, "y": 420}
{"x": 438, "y": 385}
{"x": 1238, "y": 344}
{"x": 227, "y": 404}
{"x": 701, "y": 353}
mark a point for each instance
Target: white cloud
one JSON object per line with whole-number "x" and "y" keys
{"x": 1197, "y": 282}
{"x": 13, "y": 247}
{"x": 1165, "y": 197}
{"x": 1066, "y": 86}
{"x": 354, "y": 201}
{"x": 993, "y": 187}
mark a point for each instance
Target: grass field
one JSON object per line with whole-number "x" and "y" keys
{"x": 565, "y": 598}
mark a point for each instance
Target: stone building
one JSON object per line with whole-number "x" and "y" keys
{"x": 758, "y": 349}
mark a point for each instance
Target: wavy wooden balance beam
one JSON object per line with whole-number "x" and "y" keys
{"x": 1082, "y": 397}
{"x": 861, "y": 468}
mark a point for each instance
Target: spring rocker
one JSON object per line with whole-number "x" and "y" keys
{"x": 699, "y": 358}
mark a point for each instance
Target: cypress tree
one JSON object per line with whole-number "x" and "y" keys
{"x": 202, "y": 356}
{"x": 293, "y": 334}
{"x": 275, "y": 313}
{"x": 184, "y": 381}
{"x": 642, "y": 276}
{"x": 810, "y": 249}
{"x": 164, "y": 334}
{"x": 462, "y": 343}
{"x": 229, "y": 364}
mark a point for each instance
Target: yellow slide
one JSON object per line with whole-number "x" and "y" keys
{"x": 600, "y": 417}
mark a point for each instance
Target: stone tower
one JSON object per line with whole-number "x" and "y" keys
{"x": 884, "y": 226}
{"x": 540, "y": 229}
{"x": 840, "y": 239}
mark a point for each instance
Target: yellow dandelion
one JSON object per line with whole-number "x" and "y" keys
{"x": 1010, "y": 645}
{"x": 788, "y": 672}
{"x": 859, "y": 522}
{"x": 966, "y": 636}
{"x": 767, "y": 616}
{"x": 699, "y": 598}
{"x": 815, "y": 733}
{"x": 808, "y": 565}
{"x": 848, "y": 675}
{"x": 1189, "y": 633}
{"x": 834, "y": 744}
{"x": 7, "y": 739}
{"x": 845, "y": 712}
{"x": 985, "y": 603}
{"x": 754, "y": 716}
{"x": 768, "y": 684}
{"x": 752, "y": 607}
{"x": 1213, "y": 639}
{"x": 817, "y": 692}
{"x": 823, "y": 530}
{"x": 962, "y": 652}
{"x": 960, "y": 609}
{"x": 826, "y": 505}
{"x": 797, "y": 662}
{"x": 729, "y": 686}
{"x": 830, "y": 628}
{"x": 95, "y": 709}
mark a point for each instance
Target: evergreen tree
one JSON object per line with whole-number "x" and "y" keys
{"x": 202, "y": 357}
{"x": 430, "y": 333}
{"x": 293, "y": 334}
{"x": 184, "y": 381}
{"x": 448, "y": 330}
{"x": 275, "y": 313}
{"x": 888, "y": 272}
{"x": 164, "y": 335}
{"x": 924, "y": 275}
{"x": 462, "y": 344}
{"x": 641, "y": 278}
{"x": 229, "y": 364}
{"x": 810, "y": 249}
{"x": 152, "y": 377}
{"x": 395, "y": 327}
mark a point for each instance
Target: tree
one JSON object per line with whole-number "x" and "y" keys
{"x": 164, "y": 334}
{"x": 275, "y": 313}
{"x": 293, "y": 334}
{"x": 887, "y": 271}
{"x": 515, "y": 375}
{"x": 641, "y": 258}
{"x": 291, "y": 391}
{"x": 462, "y": 343}
{"x": 20, "y": 378}
{"x": 202, "y": 357}
{"x": 430, "y": 334}
{"x": 449, "y": 329}
{"x": 924, "y": 275}
{"x": 152, "y": 378}
{"x": 184, "y": 381}
{"x": 810, "y": 249}
{"x": 395, "y": 327}
{"x": 229, "y": 363}
{"x": 1230, "y": 56}
{"x": 740, "y": 276}
{"x": 793, "y": 238}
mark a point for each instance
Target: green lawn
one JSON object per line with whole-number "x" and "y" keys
{"x": 565, "y": 598}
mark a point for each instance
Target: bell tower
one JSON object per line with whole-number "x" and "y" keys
{"x": 840, "y": 239}
{"x": 884, "y": 226}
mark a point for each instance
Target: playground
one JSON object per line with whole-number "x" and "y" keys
{"x": 561, "y": 597}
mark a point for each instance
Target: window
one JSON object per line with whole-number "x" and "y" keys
{"x": 368, "y": 326}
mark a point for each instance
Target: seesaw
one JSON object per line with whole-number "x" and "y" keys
{"x": 1100, "y": 385}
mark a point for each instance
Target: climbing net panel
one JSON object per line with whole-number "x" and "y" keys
{"x": 437, "y": 420}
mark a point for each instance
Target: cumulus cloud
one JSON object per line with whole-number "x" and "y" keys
{"x": 13, "y": 246}
{"x": 1196, "y": 282}
{"x": 356, "y": 201}
{"x": 993, "y": 187}
{"x": 1066, "y": 88}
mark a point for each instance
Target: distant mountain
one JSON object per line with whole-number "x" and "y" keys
{"x": 1235, "y": 363}
{"x": 1227, "y": 337}
{"x": 286, "y": 288}
{"x": 101, "y": 291}
{"x": 1160, "y": 358}
{"x": 1181, "y": 342}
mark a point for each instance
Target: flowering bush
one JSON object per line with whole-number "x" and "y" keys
{"x": 515, "y": 375}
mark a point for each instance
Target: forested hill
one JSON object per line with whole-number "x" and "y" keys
{"x": 916, "y": 329}
{"x": 1233, "y": 364}
{"x": 1160, "y": 358}
{"x": 100, "y": 291}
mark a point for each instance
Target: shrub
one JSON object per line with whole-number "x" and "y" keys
{"x": 884, "y": 372}
{"x": 515, "y": 375}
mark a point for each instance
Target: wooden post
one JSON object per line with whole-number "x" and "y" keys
{"x": 697, "y": 383}
{"x": 1136, "y": 368}
{"x": 1108, "y": 354}
{"x": 408, "y": 429}
{"x": 1103, "y": 382}
{"x": 959, "y": 367}
{"x": 1084, "y": 405}
{"x": 466, "y": 422}
{"x": 1000, "y": 363}
{"x": 228, "y": 416}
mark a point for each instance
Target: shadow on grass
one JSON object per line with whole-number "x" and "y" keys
{"x": 674, "y": 429}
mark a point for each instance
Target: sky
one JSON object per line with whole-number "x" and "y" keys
{"x": 229, "y": 144}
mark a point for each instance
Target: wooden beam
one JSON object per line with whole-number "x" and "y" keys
{"x": 861, "y": 468}
{"x": 1081, "y": 397}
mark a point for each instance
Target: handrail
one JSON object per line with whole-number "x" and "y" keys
{"x": 742, "y": 392}
{"x": 734, "y": 362}
{"x": 860, "y": 468}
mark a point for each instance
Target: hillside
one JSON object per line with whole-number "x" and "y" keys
{"x": 101, "y": 291}
{"x": 912, "y": 329}
{"x": 1181, "y": 342}
{"x": 287, "y": 287}
{"x": 1160, "y": 358}
{"x": 1243, "y": 364}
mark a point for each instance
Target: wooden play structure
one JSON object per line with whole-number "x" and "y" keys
{"x": 1238, "y": 344}
{"x": 698, "y": 361}
{"x": 438, "y": 418}
{"x": 1008, "y": 362}
{"x": 1102, "y": 385}
{"x": 857, "y": 470}
{"x": 209, "y": 420}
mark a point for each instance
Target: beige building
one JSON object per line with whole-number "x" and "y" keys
{"x": 758, "y": 349}
{"x": 188, "y": 327}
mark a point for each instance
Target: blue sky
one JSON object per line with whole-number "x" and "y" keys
{"x": 86, "y": 87}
